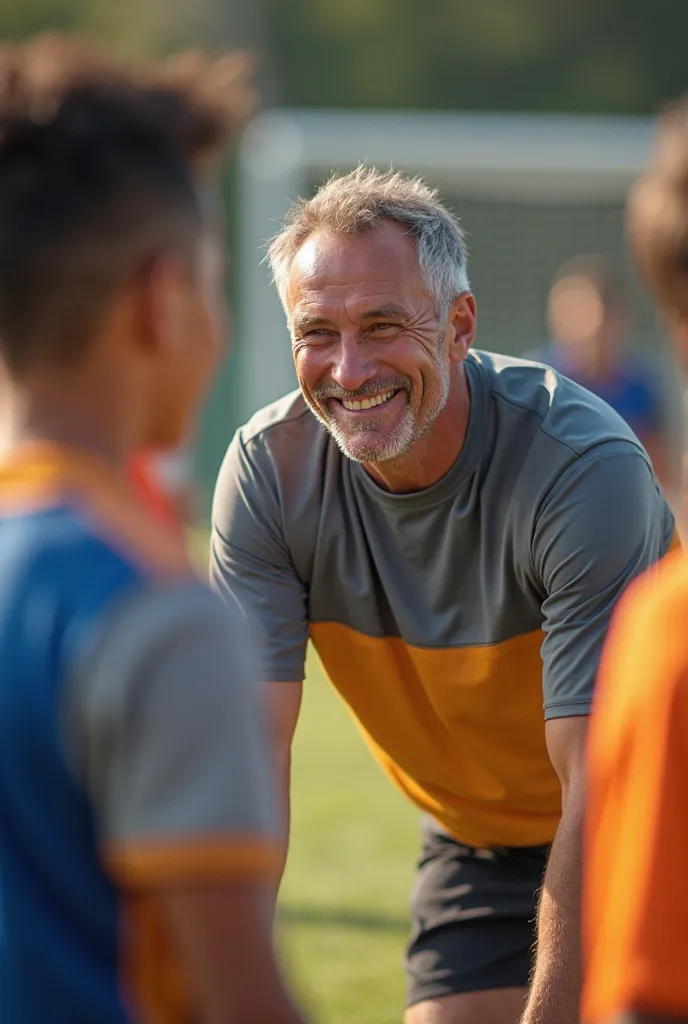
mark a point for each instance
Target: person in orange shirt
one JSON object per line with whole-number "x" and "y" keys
{"x": 636, "y": 857}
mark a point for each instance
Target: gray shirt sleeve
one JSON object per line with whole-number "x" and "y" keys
{"x": 250, "y": 564}
{"x": 167, "y": 737}
{"x": 605, "y": 521}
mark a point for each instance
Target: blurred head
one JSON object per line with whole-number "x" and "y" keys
{"x": 657, "y": 222}
{"x": 587, "y": 314}
{"x": 372, "y": 276}
{"x": 111, "y": 251}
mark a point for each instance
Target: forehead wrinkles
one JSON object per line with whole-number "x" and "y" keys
{"x": 385, "y": 254}
{"x": 334, "y": 254}
{"x": 346, "y": 302}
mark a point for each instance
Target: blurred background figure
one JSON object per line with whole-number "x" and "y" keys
{"x": 591, "y": 342}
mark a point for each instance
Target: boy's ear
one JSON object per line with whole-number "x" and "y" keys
{"x": 158, "y": 296}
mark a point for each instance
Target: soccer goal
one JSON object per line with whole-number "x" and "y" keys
{"x": 531, "y": 191}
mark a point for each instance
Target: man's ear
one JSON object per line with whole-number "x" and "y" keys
{"x": 462, "y": 322}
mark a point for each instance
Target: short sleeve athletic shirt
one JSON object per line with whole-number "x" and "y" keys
{"x": 131, "y": 753}
{"x": 634, "y": 390}
{"x": 448, "y": 618}
{"x": 636, "y": 898}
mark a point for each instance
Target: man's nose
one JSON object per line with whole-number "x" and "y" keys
{"x": 352, "y": 365}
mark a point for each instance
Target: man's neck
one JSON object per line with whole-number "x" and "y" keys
{"x": 433, "y": 455}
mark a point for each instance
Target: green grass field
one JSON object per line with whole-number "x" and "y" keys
{"x": 343, "y": 919}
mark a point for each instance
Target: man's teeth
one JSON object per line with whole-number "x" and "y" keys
{"x": 353, "y": 405}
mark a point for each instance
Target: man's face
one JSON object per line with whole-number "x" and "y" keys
{"x": 192, "y": 328}
{"x": 370, "y": 352}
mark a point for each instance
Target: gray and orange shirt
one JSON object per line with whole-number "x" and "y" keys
{"x": 449, "y": 618}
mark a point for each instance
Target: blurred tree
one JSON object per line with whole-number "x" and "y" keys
{"x": 134, "y": 26}
{"x": 623, "y": 56}
{"x": 584, "y": 55}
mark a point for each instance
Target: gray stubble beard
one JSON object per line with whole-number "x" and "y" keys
{"x": 399, "y": 442}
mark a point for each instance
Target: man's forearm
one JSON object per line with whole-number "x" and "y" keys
{"x": 555, "y": 987}
{"x": 283, "y": 702}
{"x": 282, "y": 770}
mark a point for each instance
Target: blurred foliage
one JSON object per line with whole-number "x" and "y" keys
{"x": 623, "y": 56}
{"x": 583, "y": 55}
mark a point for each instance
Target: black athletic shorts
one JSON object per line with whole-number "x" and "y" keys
{"x": 473, "y": 914}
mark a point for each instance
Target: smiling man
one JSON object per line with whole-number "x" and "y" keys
{"x": 452, "y": 531}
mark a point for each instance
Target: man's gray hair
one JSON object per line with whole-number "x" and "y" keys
{"x": 353, "y": 203}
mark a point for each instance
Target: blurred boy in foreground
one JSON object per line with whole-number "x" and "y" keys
{"x": 137, "y": 834}
{"x": 637, "y": 851}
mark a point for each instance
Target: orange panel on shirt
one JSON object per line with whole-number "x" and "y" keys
{"x": 459, "y": 730}
{"x": 636, "y": 901}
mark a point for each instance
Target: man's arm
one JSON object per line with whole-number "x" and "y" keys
{"x": 556, "y": 981}
{"x": 283, "y": 704}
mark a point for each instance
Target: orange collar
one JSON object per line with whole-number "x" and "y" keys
{"x": 36, "y": 475}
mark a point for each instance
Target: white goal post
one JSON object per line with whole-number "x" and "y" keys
{"x": 577, "y": 167}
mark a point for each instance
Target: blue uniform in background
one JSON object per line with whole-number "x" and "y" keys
{"x": 633, "y": 391}
{"x": 130, "y": 757}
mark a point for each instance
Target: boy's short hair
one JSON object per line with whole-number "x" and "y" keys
{"x": 657, "y": 214}
{"x": 99, "y": 166}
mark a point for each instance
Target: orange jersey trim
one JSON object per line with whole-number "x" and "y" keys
{"x": 37, "y": 475}
{"x": 158, "y": 864}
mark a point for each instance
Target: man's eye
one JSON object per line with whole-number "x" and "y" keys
{"x": 381, "y": 326}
